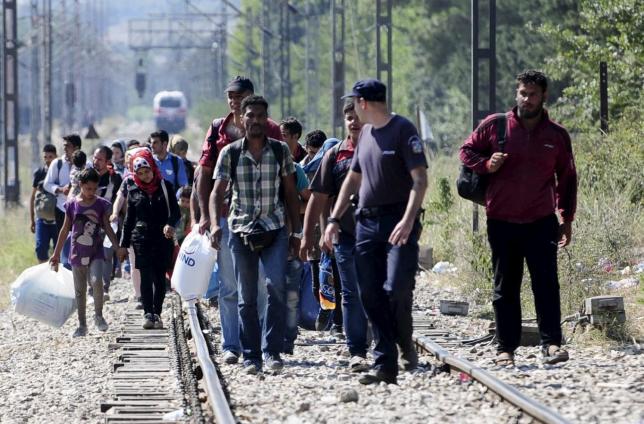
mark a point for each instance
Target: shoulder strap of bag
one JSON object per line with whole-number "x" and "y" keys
{"x": 59, "y": 165}
{"x": 278, "y": 151}
{"x": 165, "y": 196}
{"x": 235, "y": 152}
{"x": 175, "y": 169}
{"x": 501, "y": 123}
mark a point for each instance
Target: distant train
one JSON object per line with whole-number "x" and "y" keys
{"x": 170, "y": 109}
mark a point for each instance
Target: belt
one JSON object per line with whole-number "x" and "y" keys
{"x": 382, "y": 210}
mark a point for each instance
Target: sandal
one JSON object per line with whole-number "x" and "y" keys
{"x": 553, "y": 354}
{"x": 504, "y": 359}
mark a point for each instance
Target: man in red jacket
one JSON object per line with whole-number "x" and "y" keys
{"x": 530, "y": 181}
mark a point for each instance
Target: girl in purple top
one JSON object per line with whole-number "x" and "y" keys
{"x": 85, "y": 215}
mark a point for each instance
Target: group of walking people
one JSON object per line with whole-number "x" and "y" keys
{"x": 253, "y": 203}
{"x": 268, "y": 205}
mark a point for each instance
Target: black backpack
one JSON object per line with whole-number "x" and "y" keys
{"x": 469, "y": 184}
{"x": 44, "y": 201}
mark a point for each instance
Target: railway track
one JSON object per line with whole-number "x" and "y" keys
{"x": 169, "y": 375}
{"x": 435, "y": 342}
{"x": 166, "y": 375}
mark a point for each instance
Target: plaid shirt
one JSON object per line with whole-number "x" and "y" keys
{"x": 256, "y": 189}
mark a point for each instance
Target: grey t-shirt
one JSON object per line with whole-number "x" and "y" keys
{"x": 385, "y": 157}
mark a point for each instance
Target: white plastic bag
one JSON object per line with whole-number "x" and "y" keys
{"x": 107, "y": 243}
{"x": 193, "y": 267}
{"x": 45, "y": 295}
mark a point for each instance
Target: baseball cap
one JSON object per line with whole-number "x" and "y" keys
{"x": 369, "y": 89}
{"x": 240, "y": 84}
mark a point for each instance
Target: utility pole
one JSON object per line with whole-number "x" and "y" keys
{"x": 603, "y": 96}
{"x": 76, "y": 70}
{"x": 337, "y": 69}
{"x": 45, "y": 94}
{"x": 10, "y": 101}
{"x": 311, "y": 66}
{"x": 34, "y": 118}
{"x": 267, "y": 60}
{"x": 480, "y": 55}
{"x": 221, "y": 62}
{"x": 285, "y": 59}
{"x": 383, "y": 31}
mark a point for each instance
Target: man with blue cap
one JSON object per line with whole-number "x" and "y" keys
{"x": 389, "y": 154}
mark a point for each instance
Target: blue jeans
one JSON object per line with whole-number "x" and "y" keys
{"x": 213, "y": 284}
{"x": 46, "y": 235}
{"x": 294, "y": 269}
{"x": 386, "y": 275}
{"x": 354, "y": 318}
{"x": 228, "y": 297}
{"x": 270, "y": 338}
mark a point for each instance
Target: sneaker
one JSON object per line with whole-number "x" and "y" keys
{"x": 251, "y": 367}
{"x": 100, "y": 323}
{"x": 336, "y": 331}
{"x": 230, "y": 357}
{"x": 106, "y": 296}
{"x": 148, "y": 321}
{"x": 213, "y": 302}
{"x": 273, "y": 362}
{"x": 375, "y": 377}
{"x": 81, "y": 331}
{"x": 358, "y": 363}
{"x": 322, "y": 321}
{"x": 553, "y": 354}
{"x": 158, "y": 323}
{"x": 139, "y": 306}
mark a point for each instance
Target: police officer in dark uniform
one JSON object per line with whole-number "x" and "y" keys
{"x": 389, "y": 170}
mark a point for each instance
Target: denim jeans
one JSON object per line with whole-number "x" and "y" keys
{"x": 294, "y": 269}
{"x": 46, "y": 235}
{"x": 108, "y": 266}
{"x": 269, "y": 337}
{"x": 213, "y": 284}
{"x": 386, "y": 275}
{"x": 64, "y": 255}
{"x": 228, "y": 294}
{"x": 354, "y": 318}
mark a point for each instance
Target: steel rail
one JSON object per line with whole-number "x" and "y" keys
{"x": 507, "y": 392}
{"x": 218, "y": 401}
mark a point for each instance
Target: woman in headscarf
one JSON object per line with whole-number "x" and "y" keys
{"x": 118, "y": 156}
{"x": 152, "y": 213}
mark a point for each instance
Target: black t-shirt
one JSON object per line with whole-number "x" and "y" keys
{"x": 39, "y": 176}
{"x": 107, "y": 191}
{"x": 385, "y": 157}
{"x": 329, "y": 178}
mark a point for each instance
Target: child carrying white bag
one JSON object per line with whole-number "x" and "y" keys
{"x": 45, "y": 295}
{"x": 194, "y": 266}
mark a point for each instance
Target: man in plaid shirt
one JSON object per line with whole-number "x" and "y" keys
{"x": 255, "y": 167}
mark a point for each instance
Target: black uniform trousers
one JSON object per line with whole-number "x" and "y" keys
{"x": 511, "y": 243}
{"x": 386, "y": 277}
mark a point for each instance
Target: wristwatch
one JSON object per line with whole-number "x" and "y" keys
{"x": 332, "y": 220}
{"x": 297, "y": 235}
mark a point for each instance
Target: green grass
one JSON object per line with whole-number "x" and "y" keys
{"x": 17, "y": 248}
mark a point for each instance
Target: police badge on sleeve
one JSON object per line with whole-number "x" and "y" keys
{"x": 416, "y": 144}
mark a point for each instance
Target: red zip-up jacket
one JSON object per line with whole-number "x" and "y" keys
{"x": 216, "y": 140}
{"x": 538, "y": 176}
